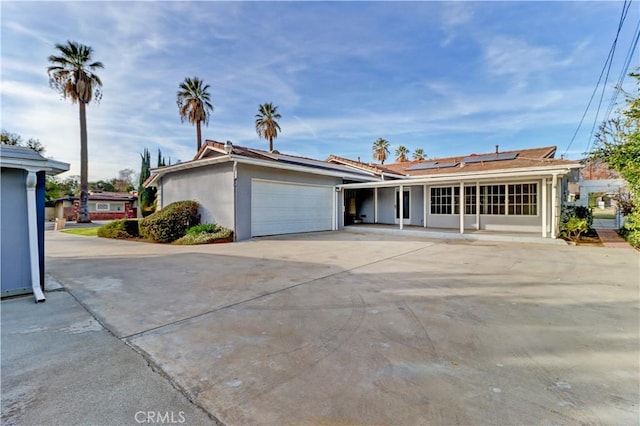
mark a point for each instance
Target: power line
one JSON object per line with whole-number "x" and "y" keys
{"x": 604, "y": 85}
{"x": 607, "y": 64}
{"x": 623, "y": 72}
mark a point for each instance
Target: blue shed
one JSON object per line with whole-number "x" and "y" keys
{"x": 22, "y": 196}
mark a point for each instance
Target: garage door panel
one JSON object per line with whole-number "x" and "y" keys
{"x": 281, "y": 208}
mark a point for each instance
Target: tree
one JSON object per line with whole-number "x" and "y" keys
{"x": 266, "y": 125}
{"x": 72, "y": 74}
{"x": 8, "y": 138}
{"x": 402, "y": 154}
{"x": 418, "y": 154}
{"x": 619, "y": 147}
{"x": 194, "y": 104}
{"x": 381, "y": 150}
{"x": 146, "y": 196}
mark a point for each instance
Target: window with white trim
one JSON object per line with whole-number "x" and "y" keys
{"x": 520, "y": 199}
{"x": 470, "y": 200}
{"x": 446, "y": 200}
{"x": 441, "y": 200}
{"x": 102, "y": 207}
{"x": 523, "y": 199}
{"x": 492, "y": 199}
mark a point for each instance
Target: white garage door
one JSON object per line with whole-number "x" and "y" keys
{"x": 283, "y": 208}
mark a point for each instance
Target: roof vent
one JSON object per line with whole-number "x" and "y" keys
{"x": 275, "y": 151}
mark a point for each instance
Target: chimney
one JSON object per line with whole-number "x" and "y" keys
{"x": 497, "y": 146}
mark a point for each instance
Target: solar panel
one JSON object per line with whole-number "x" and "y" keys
{"x": 490, "y": 157}
{"x": 431, "y": 165}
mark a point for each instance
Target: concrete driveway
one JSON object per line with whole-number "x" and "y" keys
{"x": 340, "y": 328}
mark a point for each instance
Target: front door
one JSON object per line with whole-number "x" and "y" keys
{"x": 406, "y": 206}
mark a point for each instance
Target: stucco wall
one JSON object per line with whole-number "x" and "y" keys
{"x": 14, "y": 230}
{"x": 211, "y": 186}
{"x": 247, "y": 172}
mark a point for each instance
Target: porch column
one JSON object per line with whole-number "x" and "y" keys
{"x": 478, "y": 206}
{"x": 424, "y": 205}
{"x": 543, "y": 211}
{"x": 461, "y": 207}
{"x": 334, "y": 216}
{"x": 375, "y": 205}
{"x": 554, "y": 204}
{"x": 34, "y": 255}
{"x": 401, "y": 202}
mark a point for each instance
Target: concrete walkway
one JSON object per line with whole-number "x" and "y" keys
{"x": 611, "y": 239}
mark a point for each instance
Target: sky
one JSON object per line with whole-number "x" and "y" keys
{"x": 452, "y": 78}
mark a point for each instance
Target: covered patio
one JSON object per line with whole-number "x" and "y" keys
{"x": 501, "y": 205}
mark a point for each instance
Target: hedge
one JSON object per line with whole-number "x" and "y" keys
{"x": 170, "y": 223}
{"x": 120, "y": 229}
{"x": 223, "y": 235}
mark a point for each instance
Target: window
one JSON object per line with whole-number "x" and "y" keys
{"x": 523, "y": 199}
{"x": 469, "y": 200}
{"x": 492, "y": 199}
{"x": 516, "y": 199}
{"x": 446, "y": 200}
{"x": 102, "y": 207}
{"x": 441, "y": 200}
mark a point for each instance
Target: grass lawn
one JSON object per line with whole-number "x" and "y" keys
{"x": 87, "y": 232}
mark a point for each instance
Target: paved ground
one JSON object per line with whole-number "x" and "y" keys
{"x": 61, "y": 367}
{"x": 611, "y": 239}
{"x": 339, "y": 328}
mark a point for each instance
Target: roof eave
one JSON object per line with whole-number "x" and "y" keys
{"x": 470, "y": 176}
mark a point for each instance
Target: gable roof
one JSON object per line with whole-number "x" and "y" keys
{"x": 213, "y": 152}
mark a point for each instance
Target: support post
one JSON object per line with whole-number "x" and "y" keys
{"x": 401, "y": 207}
{"x": 478, "y": 206}
{"x": 375, "y": 205}
{"x": 32, "y": 217}
{"x": 461, "y": 205}
{"x": 424, "y": 205}
{"x": 543, "y": 207}
{"x": 554, "y": 205}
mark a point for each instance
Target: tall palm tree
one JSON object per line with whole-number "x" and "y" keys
{"x": 266, "y": 125}
{"x": 402, "y": 154}
{"x": 418, "y": 154}
{"x": 380, "y": 150}
{"x": 72, "y": 74}
{"x": 194, "y": 103}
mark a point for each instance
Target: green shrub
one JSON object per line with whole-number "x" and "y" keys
{"x": 120, "y": 229}
{"x": 208, "y": 228}
{"x": 223, "y": 234}
{"x": 631, "y": 229}
{"x": 576, "y": 226}
{"x": 578, "y": 212}
{"x": 170, "y": 223}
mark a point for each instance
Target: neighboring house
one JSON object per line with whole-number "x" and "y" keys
{"x": 257, "y": 193}
{"x": 102, "y": 206}
{"x": 22, "y": 199}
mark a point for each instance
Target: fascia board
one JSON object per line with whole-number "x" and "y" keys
{"x": 506, "y": 174}
{"x": 302, "y": 169}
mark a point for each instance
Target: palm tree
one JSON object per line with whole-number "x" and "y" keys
{"x": 418, "y": 154}
{"x": 72, "y": 75}
{"x": 266, "y": 125}
{"x": 194, "y": 103}
{"x": 380, "y": 150}
{"x": 402, "y": 154}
